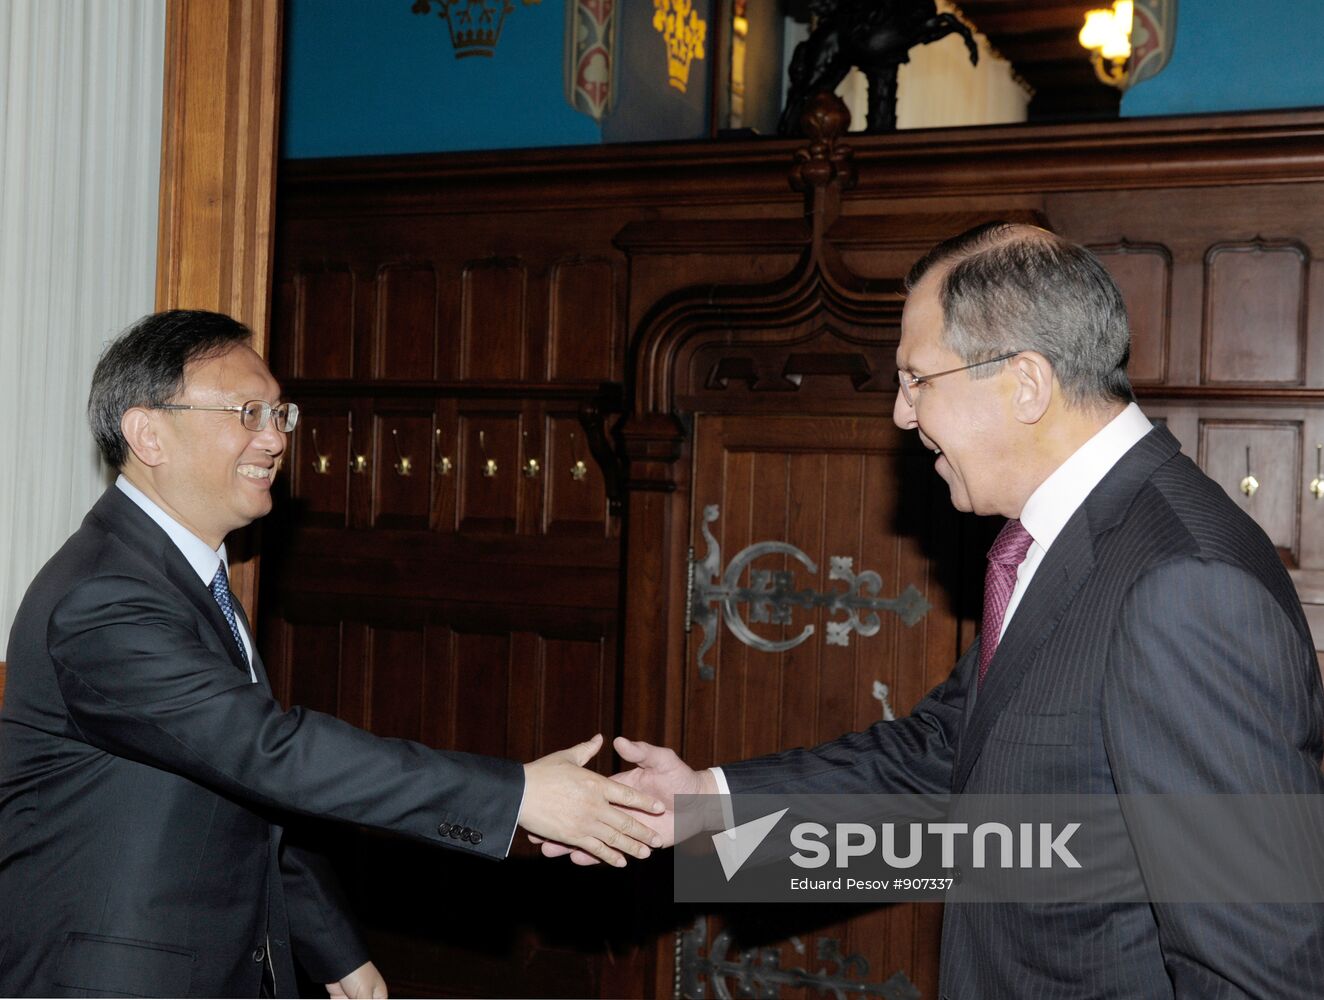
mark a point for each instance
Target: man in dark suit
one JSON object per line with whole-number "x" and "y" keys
{"x": 146, "y": 772}
{"x": 1140, "y": 636}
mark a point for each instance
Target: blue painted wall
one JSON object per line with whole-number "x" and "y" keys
{"x": 368, "y": 76}
{"x": 1237, "y": 55}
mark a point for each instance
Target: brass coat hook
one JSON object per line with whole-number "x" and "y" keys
{"x": 1250, "y": 484}
{"x": 531, "y": 467}
{"x": 489, "y": 464}
{"x": 322, "y": 463}
{"x": 578, "y": 470}
{"x": 358, "y": 464}
{"x": 405, "y": 465}
{"x": 442, "y": 464}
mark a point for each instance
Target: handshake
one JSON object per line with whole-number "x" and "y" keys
{"x": 570, "y": 810}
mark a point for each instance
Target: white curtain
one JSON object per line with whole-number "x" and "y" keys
{"x": 80, "y": 153}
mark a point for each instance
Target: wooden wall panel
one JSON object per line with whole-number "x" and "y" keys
{"x": 492, "y": 334}
{"x": 320, "y": 476}
{"x": 405, "y": 331}
{"x": 403, "y": 443}
{"x": 312, "y": 654}
{"x": 1255, "y": 313}
{"x": 489, "y": 494}
{"x": 581, "y": 335}
{"x": 576, "y": 499}
{"x": 1275, "y": 460}
{"x": 396, "y": 674}
{"x": 481, "y": 693}
{"x": 325, "y": 340}
{"x": 444, "y": 457}
{"x": 1144, "y": 274}
{"x": 575, "y": 692}
{"x": 285, "y": 317}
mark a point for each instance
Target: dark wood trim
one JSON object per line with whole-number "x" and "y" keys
{"x": 1185, "y": 151}
{"x": 219, "y": 141}
{"x": 607, "y": 392}
{"x": 1249, "y": 395}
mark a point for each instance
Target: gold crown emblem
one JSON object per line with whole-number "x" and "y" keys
{"x": 475, "y": 25}
{"x": 684, "y": 33}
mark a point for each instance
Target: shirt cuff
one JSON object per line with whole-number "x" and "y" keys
{"x": 724, "y": 790}
{"x": 519, "y": 811}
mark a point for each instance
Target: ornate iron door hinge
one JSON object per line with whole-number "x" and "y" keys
{"x": 726, "y": 971}
{"x": 771, "y": 597}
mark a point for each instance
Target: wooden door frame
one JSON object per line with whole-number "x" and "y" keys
{"x": 220, "y": 133}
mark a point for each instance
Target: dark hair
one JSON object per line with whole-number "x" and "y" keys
{"x": 1012, "y": 287}
{"x": 144, "y": 366}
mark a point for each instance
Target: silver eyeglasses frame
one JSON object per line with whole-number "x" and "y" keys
{"x": 254, "y": 415}
{"x": 905, "y": 381}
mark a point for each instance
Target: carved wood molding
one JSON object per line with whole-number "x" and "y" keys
{"x": 761, "y": 328}
{"x": 1189, "y": 151}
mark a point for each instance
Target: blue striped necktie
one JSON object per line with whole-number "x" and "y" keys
{"x": 220, "y": 589}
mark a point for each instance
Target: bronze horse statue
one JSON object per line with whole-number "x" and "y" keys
{"x": 876, "y": 36}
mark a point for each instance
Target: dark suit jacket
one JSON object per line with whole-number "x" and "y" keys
{"x": 145, "y": 782}
{"x": 1160, "y": 648}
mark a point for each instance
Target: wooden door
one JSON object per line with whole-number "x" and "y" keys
{"x": 839, "y": 486}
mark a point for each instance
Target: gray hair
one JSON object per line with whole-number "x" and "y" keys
{"x": 1010, "y": 288}
{"x": 144, "y": 366}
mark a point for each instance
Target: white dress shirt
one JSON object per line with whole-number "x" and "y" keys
{"x": 201, "y": 556}
{"x": 1059, "y": 496}
{"x": 1051, "y": 505}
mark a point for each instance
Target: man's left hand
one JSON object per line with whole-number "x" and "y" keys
{"x": 365, "y": 981}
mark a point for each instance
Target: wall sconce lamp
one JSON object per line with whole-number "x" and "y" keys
{"x": 1107, "y": 34}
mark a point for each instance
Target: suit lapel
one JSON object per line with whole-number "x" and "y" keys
{"x": 1066, "y": 566}
{"x": 259, "y": 668}
{"x": 125, "y": 519}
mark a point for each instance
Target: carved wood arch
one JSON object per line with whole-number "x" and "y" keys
{"x": 819, "y": 320}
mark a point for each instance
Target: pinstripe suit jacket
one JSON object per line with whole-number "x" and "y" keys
{"x": 1160, "y": 648}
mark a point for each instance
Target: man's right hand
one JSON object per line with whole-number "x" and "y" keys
{"x": 566, "y": 803}
{"x": 659, "y": 774}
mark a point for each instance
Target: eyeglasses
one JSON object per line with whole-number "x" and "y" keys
{"x": 254, "y": 414}
{"x": 905, "y": 381}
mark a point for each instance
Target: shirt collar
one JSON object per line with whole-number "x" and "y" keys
{"x": 201, "y": 556}
{"x": 1060, "y": 495}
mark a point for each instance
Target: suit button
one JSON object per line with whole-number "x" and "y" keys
{"x": 444, "y": 829}
{"x": 475, "y": 838}
{"x": 259, "y": 953}
{"x": 455, "y": 833}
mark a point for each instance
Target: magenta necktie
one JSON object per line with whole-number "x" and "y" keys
{"x": 1007, "y": 553}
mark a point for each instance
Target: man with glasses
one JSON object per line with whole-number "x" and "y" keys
{"x": 146, "y": 771}
{"x": 1140, "y": 636}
